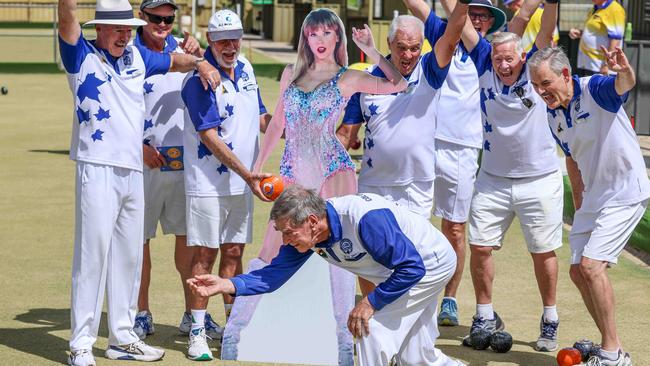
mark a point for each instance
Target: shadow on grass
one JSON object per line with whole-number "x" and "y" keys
{"x": 58, "y": 152}
{"x": 473, "y": 357}
{"x": 37, "y": 339}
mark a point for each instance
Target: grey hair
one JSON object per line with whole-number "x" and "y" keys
{"x": 406, "y": 23}
{"x": 296, "y": 203}
{"x": 555, "y": 57}
{"x": 508, "y": 37}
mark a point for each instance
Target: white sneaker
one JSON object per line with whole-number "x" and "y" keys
{"x": 136, "y": 351}
{"x": 212, "y": 329}
{"x": 82, "y": 357}
{"x": 198, "y": 349}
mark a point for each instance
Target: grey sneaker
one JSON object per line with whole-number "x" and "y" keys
{"x": 143, "y": 324}
{"x": 82, "y": 357}
{"x": 212, "y": 329}
{"x": 479, "y": 324}
{"x": 547, "y": 341}
{"x": 136, "y": 351}
{"x": 598, "y": 360}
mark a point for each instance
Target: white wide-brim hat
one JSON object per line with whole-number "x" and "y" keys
{"x": 115, "y": 12}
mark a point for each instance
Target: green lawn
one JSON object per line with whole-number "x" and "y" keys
{"x": 36, "y": 226}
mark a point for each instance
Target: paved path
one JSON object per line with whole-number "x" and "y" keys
{"x": 281, "y": 51}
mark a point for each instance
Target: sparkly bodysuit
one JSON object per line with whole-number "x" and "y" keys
{"x": 312, "y": 152}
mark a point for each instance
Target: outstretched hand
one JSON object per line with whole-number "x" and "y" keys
{"x": 363, "y": 39}
{"x": 616, "y": 60}
{"x": 190, "y": 45}
{"x": 254, "y": 184}
{"x": 207, "y": 285}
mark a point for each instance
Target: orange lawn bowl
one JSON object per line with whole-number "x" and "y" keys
{"x": 568, "y": 357}
{"x": 271, "y": 187}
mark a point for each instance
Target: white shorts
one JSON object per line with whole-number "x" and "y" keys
{"x": 164, "y": 201}
{"x": 602, "y": 235}
{"x": 212, "y": 221}
{"x": 536, "y": 201}
{"x": 416, "y": 196}
{"x": 456, "y": 167}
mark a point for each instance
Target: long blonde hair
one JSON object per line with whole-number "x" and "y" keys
{"x": 319, "y": 18}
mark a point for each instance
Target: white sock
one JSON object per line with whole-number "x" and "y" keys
{"x": 550, "y": 314}
{"x": 485, "y": 311}
{"x": 610, "y": 355}
{"x": 198, "y": 318}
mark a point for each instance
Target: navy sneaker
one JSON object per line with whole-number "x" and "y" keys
{"x": 448, "y": 315}
{"x": 491, "y": 325}
{"x": 143, "y": 324}
{"x": 547, "y": 341}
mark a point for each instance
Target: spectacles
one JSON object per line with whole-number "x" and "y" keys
{"x": 480, "y": 16}
{"x": 519, "y": 92}
{"x": 156, "y": 19}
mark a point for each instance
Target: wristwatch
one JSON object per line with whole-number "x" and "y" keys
{"x": 197, "y": 62}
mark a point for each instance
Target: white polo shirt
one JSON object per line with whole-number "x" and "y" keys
{"x": 109, "y": 106}
{"x": 234, "y": 112}
{"x": 596, "y": 132}
{"x": 399, "y": 147}
{"x": 516, "y": 141}
{"x": 164, "y": 108}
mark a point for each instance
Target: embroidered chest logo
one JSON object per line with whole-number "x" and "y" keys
{"x": 347, "y": 248}
{"x": 244, "y": 76}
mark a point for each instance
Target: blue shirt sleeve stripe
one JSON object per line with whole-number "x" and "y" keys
{"x": 384, "y": 240}
{"x": 434, "y": 28}
{"x": 434, "y": 74}
{"x": 272, "y": 277}
{"x": 353, "y": 113}
{"x": 73, "y": 55}
{"x": 201, "y": 105}
{"x": 261, "y": 104}
{"x": 603, "y": 90}
{"x": 481, "y": 56}
{"x": 155, "y": 63}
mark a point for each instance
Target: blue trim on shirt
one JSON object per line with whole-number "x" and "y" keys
{"x": 559, "y": 143}
{"x": 603, "y": 90}
{"x": 272, "y": 277}
{"x": 73, "y": 55}
{"x": 336, "y": 229}
{"x": 201, "y": 104}
{"x": 384, "y": 240}
{"x": 481, "y": 55}
{"x": 434, "y": 28}
{"x": 434, "y": 74}
{"x": 605, "y": 4}
{"x": 260, "y": 103}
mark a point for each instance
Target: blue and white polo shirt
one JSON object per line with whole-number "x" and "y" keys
{"x": 233, "y": 110}
{"x": 109, "y": 106}
{"x": 371, "y": 237}
{"x": 400, "y": 127}
{"x": 516, "y": 141}
{"x": 596, "y": 132}
{"x": 164, "y": 108}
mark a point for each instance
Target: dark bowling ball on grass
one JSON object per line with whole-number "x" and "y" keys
{"x": 501, "y": 342}
{"x": 480, "y": 340}
{"x": 584, "y": 346}
{"x": 4, "y": 90}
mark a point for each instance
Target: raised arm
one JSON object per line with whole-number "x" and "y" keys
{"x": 469, "y": 36}
{"x": 275, "y": 127}
{"x": 354, "y": 81}
{"x": 549, "y": 20}
{"x": 183, "y": 63}
{"x": 69, "y": 28}
{"x": 419, "y": 8}
{"x": 446, "y": 45}
{"x": 518, "y": 24}
{"x": 617, "y": 61}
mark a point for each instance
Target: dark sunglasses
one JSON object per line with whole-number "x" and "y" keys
{"x": 519, "y": 92}
{"x": 480, "y": 16}
{"x": 156, "y": 19}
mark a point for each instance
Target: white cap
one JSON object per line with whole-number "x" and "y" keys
{"x": 115, "y": 12}
{"x": 225, "y": 24}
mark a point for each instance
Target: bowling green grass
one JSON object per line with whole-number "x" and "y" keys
{"x": 36, "y": 229}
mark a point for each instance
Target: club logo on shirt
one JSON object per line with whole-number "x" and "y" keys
{"x": 576, "y": 106}
{"x": 346, "y": 247}
{"x": 244, "y": 76}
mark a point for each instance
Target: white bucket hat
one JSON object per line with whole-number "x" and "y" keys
{"x": 115, "y": 12}
{"x": 225, "y": 24}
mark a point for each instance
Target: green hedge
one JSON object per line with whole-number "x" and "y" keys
{"x": 640, "y": 238}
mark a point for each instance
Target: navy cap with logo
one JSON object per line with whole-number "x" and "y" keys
{"x": 148, "y": 4}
